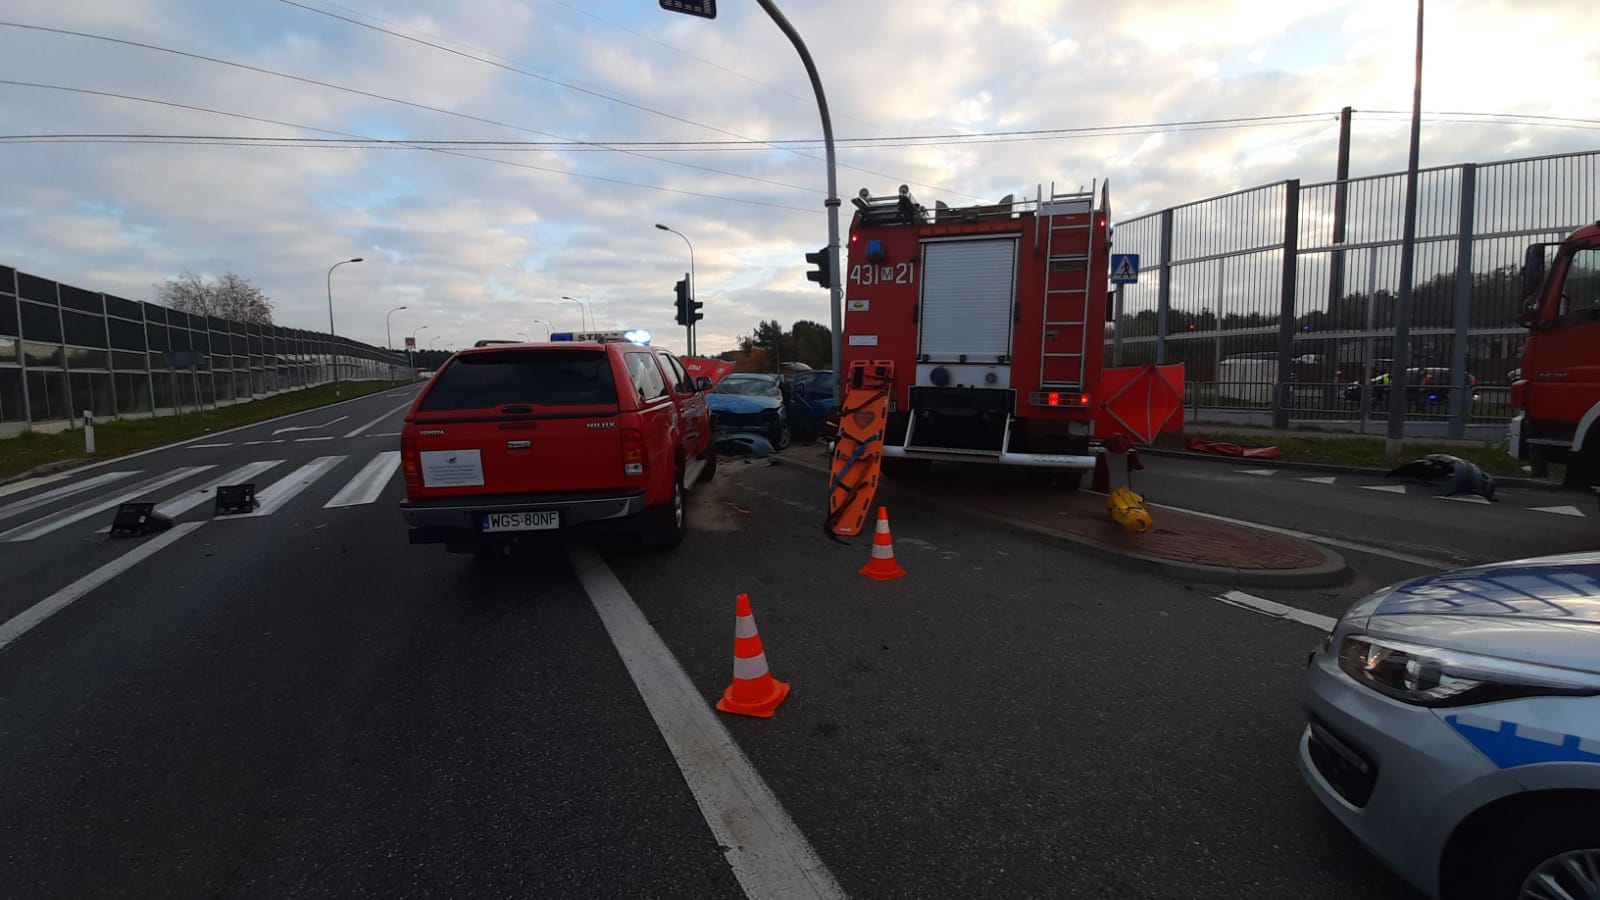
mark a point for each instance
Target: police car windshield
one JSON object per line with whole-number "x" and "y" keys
{"x": 748, "y": 385}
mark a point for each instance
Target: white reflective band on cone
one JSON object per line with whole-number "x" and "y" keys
{"x": 751, "y": 667}
{"x": 882, "y": 551}
{"x": 883, "y": 526}
{"x": 744, "y": 627}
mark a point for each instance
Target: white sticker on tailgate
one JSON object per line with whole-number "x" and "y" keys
{"x": 451, "y": 468}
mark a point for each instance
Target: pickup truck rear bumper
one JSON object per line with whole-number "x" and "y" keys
{"x": 459, "y": 520}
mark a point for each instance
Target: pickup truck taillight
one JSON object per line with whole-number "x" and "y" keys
{"x": 632, "y": 452}
{"x": 410, "y": 460}
{"x": 1519, "y": 393}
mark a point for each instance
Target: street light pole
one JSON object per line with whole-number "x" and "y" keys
{"x": 548, "y": 328}
{"x": 331, "y": 335}
{"x": 836, "y": 289}
{"x": 388, "y": 335}
{"x": 413, "y": 344}
{"x": 582, "y": 306}
{"x": 1400, "y": 379}
{"x": 690, "y": 324}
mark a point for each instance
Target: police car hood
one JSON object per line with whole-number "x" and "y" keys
{"x": 1544, "y": 610}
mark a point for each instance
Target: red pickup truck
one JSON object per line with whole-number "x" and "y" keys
{"x": 597, "y": 433}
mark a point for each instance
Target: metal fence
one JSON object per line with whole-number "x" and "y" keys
{"x": 64, "y": 350}
{"x": 1280, "y": 299}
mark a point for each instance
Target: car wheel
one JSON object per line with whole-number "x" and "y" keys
{"x": 1538, "y": 853}
{"x": 668, "y": 523}
{"x": 780, "y": 436}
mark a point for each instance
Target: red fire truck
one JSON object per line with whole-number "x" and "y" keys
{"x": 1558, "y": 389}
{"x": 993, "y": 317}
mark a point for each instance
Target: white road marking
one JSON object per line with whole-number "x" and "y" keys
{"x": 769, "y": 855}
{"x": 1262, "y": 472}
{"x": 258, "y": 443}
{"x": 22, "y": 506}
{"x": 28, "y": 484}
{"x": 1320, "y": 479}
{"x": 275, "y": 495}
{"x": 309, "y": 440}
{"x": 368, "y": 483}
{"x": 279, "y": 431}
{"x": 385, "y": 434}
{"x": 48, "y": 524}
{"x": 182, "y": 503}
{"x": 210, "y": 446}
{"x": 24, "y": 621}
{"x": 1277, "y": 610}
{"x": 1467, "y": 498}
{"x": 1386, "y": 488}
{"x": 1560, "y": 510}
{"x": 357, "y": 432}
{"x": 1322, "y": 539}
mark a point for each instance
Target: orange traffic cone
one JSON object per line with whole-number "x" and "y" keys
{"x": 882, "y": 565}
{"x": 754, "y": 692}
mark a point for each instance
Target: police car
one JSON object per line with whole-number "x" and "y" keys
{"x": 1454, "y": 727}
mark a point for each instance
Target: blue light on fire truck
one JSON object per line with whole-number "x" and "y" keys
{"x": 638, "y": 336}
{"x": 875, "y": 250}
{"x": 560, "y": 335}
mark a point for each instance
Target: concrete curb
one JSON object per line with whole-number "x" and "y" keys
{"x": 61, "y": 465}
{"x": 1331, "y": 572}
{"x": 1330, "y": 468}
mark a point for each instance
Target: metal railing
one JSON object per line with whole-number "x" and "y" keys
{"x": 1272, "y": 285}
{"x": 64, "y": 350}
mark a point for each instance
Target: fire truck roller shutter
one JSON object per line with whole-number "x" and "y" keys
{"x": 968, "y": 292}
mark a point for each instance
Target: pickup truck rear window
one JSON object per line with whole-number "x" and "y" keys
{"x": 541, "y": 377}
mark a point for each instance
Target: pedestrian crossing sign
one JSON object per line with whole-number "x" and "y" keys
{"x": 1124, "y": 268}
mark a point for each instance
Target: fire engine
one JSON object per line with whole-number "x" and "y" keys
{"x": 1558, "y": 388}
{"x": 990, "y": 321}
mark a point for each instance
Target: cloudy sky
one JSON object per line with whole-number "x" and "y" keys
{"x": 483, "y": 239}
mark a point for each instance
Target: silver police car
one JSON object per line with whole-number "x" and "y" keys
{"x": 1454, "y": 727}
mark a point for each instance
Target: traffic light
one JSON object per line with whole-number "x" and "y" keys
{"x": 823, "y": 274}
{"x": 688, "y": 307}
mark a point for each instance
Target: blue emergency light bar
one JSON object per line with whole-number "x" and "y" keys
{"x": 636, "y": 336}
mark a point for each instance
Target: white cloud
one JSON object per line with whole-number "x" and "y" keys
{"x": 476, "y": 248}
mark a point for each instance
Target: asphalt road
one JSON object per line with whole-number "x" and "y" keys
{"x": 301, "y": 704}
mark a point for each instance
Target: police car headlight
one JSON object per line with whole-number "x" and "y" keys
{"x": 1434, "y": 676}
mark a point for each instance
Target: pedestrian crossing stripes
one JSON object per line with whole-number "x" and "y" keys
{"x": 48, "y": 497}
{"x": 1433, "y": 490}
{"x": 60, "y": 520}
{"x": 102, "y": 492}
{"x": 368, "y": 483}
{"x": 275, "y": 495}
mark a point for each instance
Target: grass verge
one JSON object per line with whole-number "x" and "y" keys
{"x": 1365, "y": 452}
{"x": 113, "y": 439}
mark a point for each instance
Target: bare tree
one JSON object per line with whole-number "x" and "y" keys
{"x": 229, "y": 297}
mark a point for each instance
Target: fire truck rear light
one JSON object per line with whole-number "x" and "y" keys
{"x": 1056, "y": 398}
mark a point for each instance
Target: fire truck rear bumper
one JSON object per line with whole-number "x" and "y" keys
{"x": 1035, "y": 460}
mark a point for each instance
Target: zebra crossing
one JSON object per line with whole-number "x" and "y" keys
{"x": 65, "y": 505}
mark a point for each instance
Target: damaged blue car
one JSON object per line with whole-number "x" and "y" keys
{"x": 751, "y": 402}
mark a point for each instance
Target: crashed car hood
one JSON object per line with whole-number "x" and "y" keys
{"x": 741, "y": 404}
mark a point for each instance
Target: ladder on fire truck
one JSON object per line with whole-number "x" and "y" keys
{"x": 1068, "y": 245}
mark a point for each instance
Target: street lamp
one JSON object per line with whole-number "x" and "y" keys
{"x": 430, "y": 342}
{"x": 582, "y": 305}
{"x": 549, "y": 329}
{"x": 388, "y": 335}
{"x": 331, "y": 334}
{"x": 690, "y": 323}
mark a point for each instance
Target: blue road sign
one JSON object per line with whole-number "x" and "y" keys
{"x": 1124, "y": 268}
